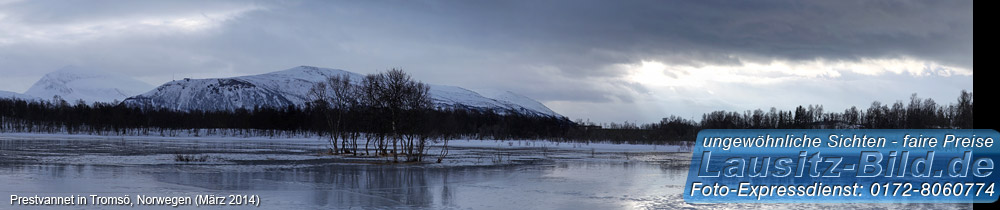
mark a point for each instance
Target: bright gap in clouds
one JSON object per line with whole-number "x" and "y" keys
{"x": 655, "y": 73}
{"x": 689, "y": 91}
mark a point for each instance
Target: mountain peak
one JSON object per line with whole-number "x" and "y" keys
{"x": 307, "y": 72}
{"x": 73, "y": 83}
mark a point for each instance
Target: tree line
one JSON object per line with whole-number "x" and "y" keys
{"x": 917, "y": 114}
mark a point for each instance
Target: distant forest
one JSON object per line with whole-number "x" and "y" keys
{"x": 917, "y": 114}
{"x": 366, "y": 121}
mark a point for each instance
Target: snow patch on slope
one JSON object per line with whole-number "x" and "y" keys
{"x": 445, "y": 96}
{"x": 514, "y": 100}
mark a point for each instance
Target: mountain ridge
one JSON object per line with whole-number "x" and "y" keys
{"x": 291, "y": 86}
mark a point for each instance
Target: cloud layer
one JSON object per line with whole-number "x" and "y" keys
{"x": 585, "y": 59}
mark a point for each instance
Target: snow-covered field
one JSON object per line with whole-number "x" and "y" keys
{"x": 294, "y": 173}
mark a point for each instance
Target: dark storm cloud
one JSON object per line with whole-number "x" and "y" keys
{"x": 710, "y": 30}
{"x": 580, "y": 38}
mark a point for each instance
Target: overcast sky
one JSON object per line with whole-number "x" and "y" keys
{"x": 635, "y": 61}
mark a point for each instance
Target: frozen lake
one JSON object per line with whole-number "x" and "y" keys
{"x": 293, "y": 174}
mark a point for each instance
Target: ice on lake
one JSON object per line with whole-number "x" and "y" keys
{"x": 293, "y": 174}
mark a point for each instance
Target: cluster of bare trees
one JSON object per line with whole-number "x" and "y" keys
{"x": 391, "y": 105}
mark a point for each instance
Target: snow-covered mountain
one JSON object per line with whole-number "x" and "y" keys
{"x": 8, "y": 94}
{"x": 291, "y": 87}
{"x": 73, "y": 83}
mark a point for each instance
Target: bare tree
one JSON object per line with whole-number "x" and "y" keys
{"x": 320, "y": 98}
{"x": 344, "y": 100}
